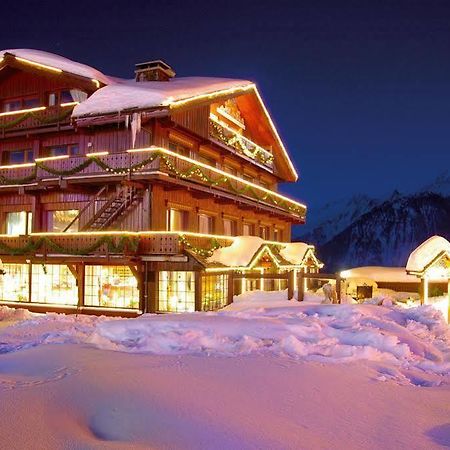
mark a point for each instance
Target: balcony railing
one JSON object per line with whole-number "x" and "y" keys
{"x": 36, "y": 117}
{"x": 225, "y": 134}
{"x": 139, "y": 164}
{"x": 110, "y": 243}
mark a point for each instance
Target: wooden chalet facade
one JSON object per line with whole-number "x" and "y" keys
{"x": 114, "y": 194}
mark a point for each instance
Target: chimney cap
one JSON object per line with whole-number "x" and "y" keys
{"x": 155, "y": 65}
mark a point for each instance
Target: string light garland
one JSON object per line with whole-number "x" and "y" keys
{"x": 197, "y": 170}
{"x": 200, "y": 251}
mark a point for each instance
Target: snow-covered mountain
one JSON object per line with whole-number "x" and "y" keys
{"x": 364, "y": 231}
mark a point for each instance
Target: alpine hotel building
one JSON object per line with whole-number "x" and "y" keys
{"x": 123, "y": 195}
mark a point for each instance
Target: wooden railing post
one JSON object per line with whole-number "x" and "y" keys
{"x": 198, "y": 291}
{"x": 338, "y": 288}
{"x": 291, "y": 277}
{"x": 300, "y": 287}
{"x": 230, "y": 287}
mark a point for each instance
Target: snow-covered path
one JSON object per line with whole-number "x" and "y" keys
{"x": 262, "y": 374}
{"x": 72, "y": 396}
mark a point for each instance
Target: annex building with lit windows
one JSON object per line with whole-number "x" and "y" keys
{"x": 153, "y": 194}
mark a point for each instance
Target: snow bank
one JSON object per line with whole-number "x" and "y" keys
{"x": 261, "y": 323}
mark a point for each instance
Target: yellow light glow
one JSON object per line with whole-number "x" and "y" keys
{"x": 69, "y": 104}
{"x": 96, "y": 82}
{"x": 93, "y": 154}
{"x": 22, "y": 111}
{"x": 42, "y": 66}
{"x": 215, "y": 119}
{"x": 275, "y": 132}
{"x": 214, "y": 169}
{"x": 176, "y": 103}
{"x": 264, "y": 249}
{"x": 52, "y": 158}
{"x": 17, "y": 166}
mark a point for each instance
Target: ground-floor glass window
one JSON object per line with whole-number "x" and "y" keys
{"x": 176, "y": 291}
{"x": 14, "y": 283}
{"x": 111, "y": 287}
{"x": 53, "y": 283}
{"x": 214, "y": 292}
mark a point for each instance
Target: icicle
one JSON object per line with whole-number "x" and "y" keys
{"x": 127, "y": 120}
{"x": 135, "y": 127}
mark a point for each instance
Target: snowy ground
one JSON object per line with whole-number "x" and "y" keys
{"x": 264, "y": 373}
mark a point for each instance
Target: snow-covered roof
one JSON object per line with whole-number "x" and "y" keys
{"x": 426, "y": 253}
{"x": 58, "y": 62}
{"x": 380, "y": 274}
{"x": 244, "y": 249}
{"x": 239, "y": 253}
{"x": 295, "y": 252}
{"x": 125, "y": 95}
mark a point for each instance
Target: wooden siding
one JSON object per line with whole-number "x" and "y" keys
{"x": 194, "y": 119}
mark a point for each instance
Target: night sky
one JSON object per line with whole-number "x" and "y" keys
{"x": 360, "y": 91}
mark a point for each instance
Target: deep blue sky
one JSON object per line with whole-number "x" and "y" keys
{"x": 360, "y": 91}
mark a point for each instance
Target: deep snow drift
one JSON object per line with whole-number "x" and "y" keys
{"x": 263, "y": 373}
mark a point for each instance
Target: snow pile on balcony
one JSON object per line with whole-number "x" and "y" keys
{"x": 380, "y": 274}
{"x": 426, "y": 253}
{"x": 126, "y": 95}
{"x": 58, "y": 62}
{"x": 239, "y": 253}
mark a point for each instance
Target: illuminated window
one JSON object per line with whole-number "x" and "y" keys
{"x": 176, "y": 220}
{"x": 248, "y": 229}
{"x": 111, "y": 287}
{"x": 214, "y": 292}
{"x": 18, "y": 222}
{"x": 205, "y": 224}
{"x": 58, "y": 221}
{"x": 53, "y": 283}
{"x": 181, "y": 149}
{"x": 264, "y": 232}
{"x": 14, "y": 283}
{"x": 229, "y": 227}
{"x": 176, "y": 291}
{"x": 277, "y": 234}
{"x": 17, "y": 156}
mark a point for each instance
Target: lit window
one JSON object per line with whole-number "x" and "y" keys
{"x": 53, "y": 283}
{"x": 278, "y": 234}
{"x": 58, "y": 221}
{"x": 111, "y": 287}
{"x": 14, "y": 283}
{"x": 229, "y": 227}
{"x": 214, "y": 292}
{"x": 176, "y": 291}
{"x": 248, "y": 229}
{"x": 264, "y": 232}
{"x": 205, "y": 224}
{"x": 177, "y": 220}
{"x": 18, "y": 222}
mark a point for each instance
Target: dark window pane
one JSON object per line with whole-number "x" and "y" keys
{"x": 14, "y": 105}
{"x": 31, "y": 103}
{"x": 66, "y": 97}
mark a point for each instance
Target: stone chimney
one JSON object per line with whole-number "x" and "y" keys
{"x": 153, "y": 71}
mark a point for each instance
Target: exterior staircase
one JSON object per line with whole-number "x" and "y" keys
{"x": 113, "y": 206}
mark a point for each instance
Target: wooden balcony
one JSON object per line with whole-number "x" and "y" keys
{"x": 105, "y": 244}
{"x": 145, "y": 164}
{"x": 35, "y": 118}
{"x": 241, "y": 144}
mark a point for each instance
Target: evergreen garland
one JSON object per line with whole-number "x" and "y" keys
{"x": 193, "y": 171}
{"x": 120, "y": 244}
{"x": 200, "y": 251}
